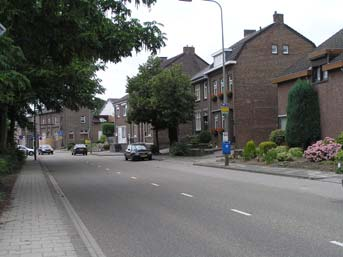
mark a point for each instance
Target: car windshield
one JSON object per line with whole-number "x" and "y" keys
{"x": 139, "y": 147}
{"x": 80, "y": 146}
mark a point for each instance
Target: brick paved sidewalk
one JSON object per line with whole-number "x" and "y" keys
{"x": 36, "y": 225}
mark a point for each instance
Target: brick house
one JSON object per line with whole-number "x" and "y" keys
{"x": 323, "y": 67}
{"x": 190, "y": 63}
{"x": 61, "y": 128}
{"x": 250, "y": 64}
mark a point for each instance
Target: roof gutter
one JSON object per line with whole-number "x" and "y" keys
{"x": 220, "y": 67}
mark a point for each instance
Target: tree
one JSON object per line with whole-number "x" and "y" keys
{"x": 173, "y": 98}
{"x": 108, "y": 129}
{"x": 141, "y": 104}
{"x": 14, "y": 87}
{"x": 66, "y": 42}
{"x": 303, "y": 117}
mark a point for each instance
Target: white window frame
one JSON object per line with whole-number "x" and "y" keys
{"x": 118, "y": 111}
{"x": 230, "y": 83}
{"x": 124, "y": 108}
{"x": 285, "y": 49}
{"x": 281, "y": 117}
{"x": 197, "y": 92}
{"x": 197, "y": 116}
{"x": 223, "y": 121}
{"x": 274, "y": 49}
{"x": 216, "y": 121}
{"x": 83, "y": 119}
{"x": 325, "y": 75}
{"x": 222, "y": 86}
{"x": 215, "y": 87}
{"x": 205, "y": 90}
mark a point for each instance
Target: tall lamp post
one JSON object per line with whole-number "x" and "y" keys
{"x": 225, "y": 103}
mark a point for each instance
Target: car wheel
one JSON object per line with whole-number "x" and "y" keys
{"x": 30, "y": 153}
{"x": 126, "y": 158}
{"x": 150, "y": 158}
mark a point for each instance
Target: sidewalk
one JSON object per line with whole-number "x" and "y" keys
{"x": 36, "y": 224}
{"x": 216, "y": 162}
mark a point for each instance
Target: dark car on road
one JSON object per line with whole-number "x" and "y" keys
{"x": 137, "y": 152}
{"x": 45, "y": 149}
{"x": 79, "y": 149}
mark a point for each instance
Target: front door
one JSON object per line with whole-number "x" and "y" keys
{"x": 122, "y": 135}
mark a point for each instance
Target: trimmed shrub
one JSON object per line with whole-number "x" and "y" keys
{"x": 281, "y": 149}
{"x": 266, "y": 146}
{"x": 303, "y": 118}
{"x": 194, "y": 140}
{"x": 249, "y": 150}
{"x": 106, "y": 147}
{"x": 339, "y": 138}
{"x": 108, "y": 129}
{"x": 270, "y": 156}
{"x": 179, "y": 149}
{"x": 322, "y": 150}
{"x": 277, "y": 136}
{"x": 296, "y": 152}
{"x": 204, "y": 137}
{"x": 70, "y": 146}
{"x": 102, "y": 139}
{"x": 339, "y": 161}
{"x": 284, "y": 156}
{"x": 154, "y": 149}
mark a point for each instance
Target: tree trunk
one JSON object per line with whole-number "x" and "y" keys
{"x": 3, "y": 127}
{"x": 10, "y": 137}
{"x": 173, "y": 136}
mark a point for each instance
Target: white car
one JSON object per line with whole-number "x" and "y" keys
{"x": 26, "y": 150}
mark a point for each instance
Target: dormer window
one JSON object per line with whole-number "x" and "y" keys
{"x": 285, "y": 49}
{"x": 319, "y": 75}
{"x": 274, "y": 49}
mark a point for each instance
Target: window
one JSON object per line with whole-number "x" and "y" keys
{"x": 83, "y": 119}
{"x": 205, "y": 90}
{"x": 285, "y": 49}
{"x": 205, "y": 118}
{"x": 319, "y": 75}
{"x": 230, "y": 83}
{"x": 274, "y": 49}
{"x": 123, "y": 132}
{"x": 325, "y": 75}
{"x": 118, "y": 111}
{"x": 84, "y": 131}
{"x": 197, "y": 121}
{"x": 149, "y": 130}
{"x": 124, "y": 107}
{"x": 57, "y": 120}
{"x": 135, "y": 131}
{"x": 215, "y": 88}
{"x": 71, "y": 135}
{"x": 282, "y": 121}
{"x": 223, "y": 120}
{"x": 222, "y": 86}
{"x": 216, "y": 121}
{"x": 43, "y": 121}
{"x": 197, "y": 92}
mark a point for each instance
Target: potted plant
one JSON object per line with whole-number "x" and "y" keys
{"x": 220, "y": 130}
{"x": 214, "y": 98}
{"x": 229, "y": 94}
{"x": 220, "y": 96}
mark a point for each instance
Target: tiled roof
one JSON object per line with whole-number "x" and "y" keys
{"x": 334, "y": 42}
{"x": 170, "y": 61}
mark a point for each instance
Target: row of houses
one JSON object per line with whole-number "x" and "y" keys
{"x": 260, "y": 68}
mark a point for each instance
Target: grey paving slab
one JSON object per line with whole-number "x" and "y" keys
{"x": 35, "y": 224}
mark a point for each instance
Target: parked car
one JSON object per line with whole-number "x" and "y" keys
{"x": 137, "y": 151}
{"x": 45, "y": 149}
{"x": 26, "y": 150}
{"x": 79, "y": 149}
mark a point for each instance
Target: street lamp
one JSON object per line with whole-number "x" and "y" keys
{"x": 225, "y": 103}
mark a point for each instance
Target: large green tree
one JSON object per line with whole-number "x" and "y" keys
{"x": 173, "y": 98}
{"x": 303, "y": 117}
{"x": 141, "y": 98}
{"x": 14, "y": 88}
{"x": 67, "y": 41}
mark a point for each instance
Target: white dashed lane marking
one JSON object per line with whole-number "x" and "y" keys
{"x": 188, "y": 195}
{"x": 337, "y": 243}
{"x": 107, "y": 169}
{"x": 156, "y": 185}
{"x": 133, "y": 177}
{"x": 241, "y": 212}
{"x": 118, "y": 172}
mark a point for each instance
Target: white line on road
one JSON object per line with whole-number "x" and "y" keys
{"x": 107, "y": 169}
{"x": 188, "y": 195}
{"x": 156, "y": 185}
{"x": 241, "y": 212}
{"x": 337, "y": 243}
{"x": 99, "y": 166}
{"x": 118, "y": 172}
{"x": 133, "y": 177}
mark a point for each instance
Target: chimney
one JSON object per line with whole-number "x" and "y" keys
{"x": 248, "y": 32}
{"x": 277, "y": 17}
{"x": 189, "y": 50}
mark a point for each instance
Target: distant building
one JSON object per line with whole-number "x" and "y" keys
{"x": 323, "y": 67}
{"x": 250, "y": 65}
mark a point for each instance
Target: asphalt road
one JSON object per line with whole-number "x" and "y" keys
{"x": 171, "y": 208}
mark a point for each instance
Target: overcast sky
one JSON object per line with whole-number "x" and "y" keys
{"x": 197, "y": 24}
